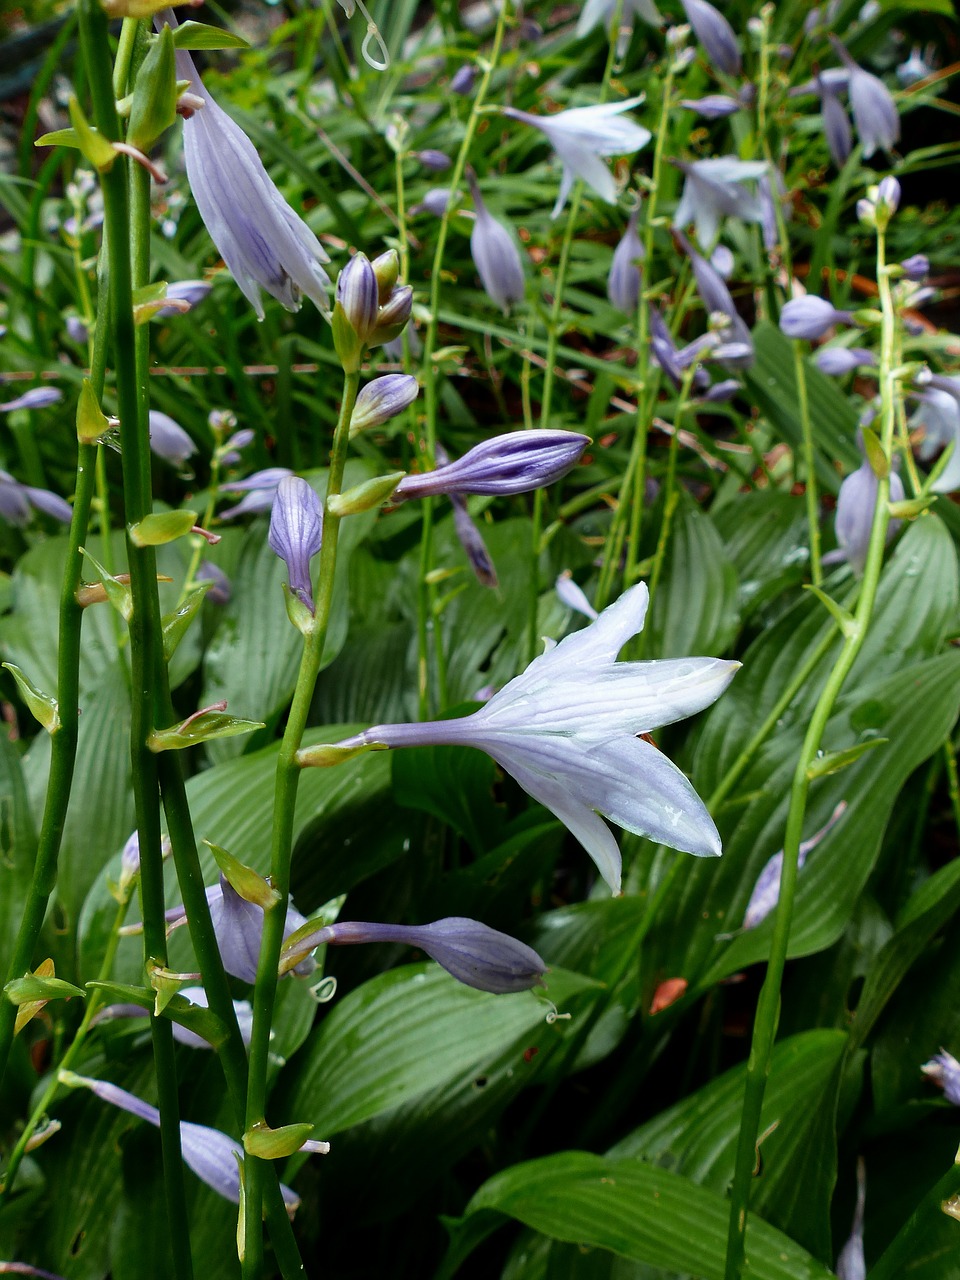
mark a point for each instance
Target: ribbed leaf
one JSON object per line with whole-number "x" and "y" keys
{"x": 694, "y": 610}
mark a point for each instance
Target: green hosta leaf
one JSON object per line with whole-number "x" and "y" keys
{"x": 694, "y": 609}
{"x": 198, "y": 35}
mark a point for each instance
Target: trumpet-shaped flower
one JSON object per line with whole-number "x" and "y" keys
{"x": 213, "y": 1157}
{"x": 566, "y": 729}
{"x": 715, "y": 34}
{"x": 714, "y": 189}
{"x": 623, "y": 282}
{"x": 582, "y": 136}
{"x": 263, "y": 242}
{"x": 495, "y": 255}
{"x": 259, "y": 491}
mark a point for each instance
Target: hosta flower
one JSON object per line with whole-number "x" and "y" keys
{"x": 168, "y": 440}
{"x": 874, "y": 110}
{"x": 258, "y": 492}
{"x": 16, "y": 499}
{"x": 855, "y": 507}
{"x": 263, "y": 242}
{"x": 851, "y": 1261}
{"x": 189, "y": 292}
{"x": 715, "y": 106}
{"x": 296, "y": 533}
{"x": 938, "y": 414}
{"x": 495, "y": 255}
{"x": 213, "y": 1157}
{"x": 717, "y": 300}
{"x": 35, "y": 398}
{"x": 836, "y": 122}
{"x": 511, "y": 463}
{"x": 714, "y": 190}
{"x": 810, "y": 317}
{"x": 837, "y": 361}
{"x": 566, "y": 730}
{"x": 471, "y": 952}
{"x": 595, "y": 11}
{"x": 766, "y": 892}
{"x": 221, "y": 590}
{"x": 573, "y": 596}
{"x": 944, "y": 1070}
{"x": 715, "y": 34}
{"x": 382, "y": 399}
{"x": 582, "y": 136}
{"x": 183, "y": 1035}
{"x": 623, "y": 282}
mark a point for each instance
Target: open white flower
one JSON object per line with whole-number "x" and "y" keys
{"x": 567, "y": 727}
{"x": 581, "y": 136}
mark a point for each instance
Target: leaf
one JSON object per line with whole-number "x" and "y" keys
{"x": 694, "y": 609}
{"x": 203, "y": 727}
{"x": 646, "y": 1214}
{"x": 763, "y": 534}
{"x": 18, "y": 844}
{"x": 162, "y": 526}
{"x": 198, "y": 35}
{"x": 456, "y": 785}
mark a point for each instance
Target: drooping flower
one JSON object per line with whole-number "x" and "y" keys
{"x": 566, "y": 731}
{"x": 582, "y": 136}
{"x": 810, "y": 317}
{"x": 471, "y": 952}
{"x": 766, "y": 892}
{"x": 836, "y": 122}
{"x": 595, "y": 11}
{"x": 183, "y": 1035}
{"x": 296, "y": 533}
{"x": 515, "y": 462}
{"x": 715, "y": 106}
{"x": 35, "y": 398}
{"x": 495, "y": 255}
{"x": 263, "y": 242}
{"x": 623, "y": 282}
{"x": 168, "y": 440}
{"x": 856, "y": 502}
{"x": 213, "y": 1157}
{"x": 714, "y": 189}
{"x": 938, "y": 414}
{"x": 715, "y": 34}
{"x": 944, "y": 1070}
{"x": 717, "y": 300}
{"x": 258, "y": 489}
{"x": 837, "y": 361}
{"x": 874, "y": 110}
{"x": 463, "y": 80}
{"x": 16, "y": 499}
{"x": 851, "y": 1261}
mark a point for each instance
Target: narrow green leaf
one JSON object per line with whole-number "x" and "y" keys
{"x": 833, "y": 761}
{"x": 201, "y": 728}
{"x": 23, "y": 990}
{"x": 199, "y": 35}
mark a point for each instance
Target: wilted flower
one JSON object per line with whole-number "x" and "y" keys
{"x": 16, "y": 499}
{"x": 874, "y": 110}
{"x": 258, "y": 490}
{"x": 221, "y": 590}
{"x": 565, "y": 729}
{"x": 851, "y": 1262}
{"x": 495, "y": 255}
{"x": 296, "y": 533}
{"x": 168, "y": 440}
{"x": 810, "y": 317}
{"x": 837, "y": 361}
{"x": 595, "y": 11}
{"x": 573, "y": 597}
{"x": 382, "y": 399}
{"x": 766, "y": 892}
{"x": 623, "y": 282}
{"x": 855, "y": 507}
{"x": 263, "y": 242}
{"x": 581, "y": 136}
{"x": 511, "y": 463}
{"x": 944, "y": 1070}
{"x": 471, "y": 952}
{"x": 714, "y": 190}
{"x": 213, "y": 1157}
{"x": 715, "y": 34}
{"x": 35, "y": 398}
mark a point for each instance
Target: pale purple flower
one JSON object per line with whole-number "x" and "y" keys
{"x": 435, "y": 161}
{"x": 721, "y": 392}
{"x": 76, "y": 330}
{"x": 596, "y": 11}
{"x": 874, "y": 110}
{"x": 722, "y": 261}
{"x": 296, "y": 533}
{"x": 837, "y": 361}
{"x": 191, "y": 292}
{"x": 16, "y": 499}
{"x": 810, "y": 317}
{"x": 836, "y": 122}
{"x": 183, "y": 1035}
{"x": 35, "y": 398}
{"x": 231, "y": 448}
{"x": 464, "y": 78}
{"x": 168, "y": 440}
{"x": 623, "y": 282}
{"x": 913, "y": 69}
{"x": 714, "y": 189}
{"x": 495, "y": 255}
{"x": 916, "y": 267}
{"x": 944, "y": 1070}
{"x": 211, "y": 1155}
{"x": 851, "y": 1262}
{"x": 515, "y": 462}
{"x": 471, "y": 952}
{"x": 855, "y": 507}
{"x": 582, "y": 136}
{"x": 471, "y": 539}
{"x": 766, "y": 892}
{"x": 221, "y": 590}
{"x": 715, "y": 106}
{"x": 358, "y": 295}
{"x": 258, "y": 489}
{"x": 382, "y": 399}
{"x": 715, "y": 34}
{"x": 263, "y": 242}
{"x": 716, "y": 299}
{"x": 888, "y": 193}
{"x": 434, "y": 201}
{"x": 938, "y": 413}
{"x": 566, "y": 731}
{"x": 573, "y": 597}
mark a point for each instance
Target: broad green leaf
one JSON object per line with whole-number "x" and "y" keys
{"x": 764, "y": 536}
{"x": 456, "y": 785}
{"x": 647, "y": 1214}
{"x": 694, "y": 609}
{"x": 18, "y": 843}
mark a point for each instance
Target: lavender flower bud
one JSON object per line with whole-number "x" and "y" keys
{"x": 382, "y": 399}
{"x": 495, "y": 255}
{"x": 129, "y": 864}
{"x": 944, "y": 1070}
{"x": 76, "y": 330}
{"x": 394, "y": 315}
{"x": 838, "y": 361}
{"x": 811, "y": 317}
{"x": 475, "y": 548}
{"x": 35, "y": 398}
{"x": 855, "y": 507}
{"x": 434, "y": 201}
{"x": 463, "y": 80}
{"x": 296, "y": 532}
{"x": 221, "y": 590}
{"x": 721, "y": 392}
{"x": 435, "y": 161}
{"x": 168, "y": 440}
{"x": 888, "y": 193}
{"x": 715, "y": 34}
{"x": 623, "y": 282}
{"x": 874, "y": 110}
{"x": 51, "y": 504}
{"x": 14, "y": 507}
{"x": 358, "y": 296}
{"x": 916, "y": 267}
{"x": 715, "y": 106}
{"x": 511, "y": 463}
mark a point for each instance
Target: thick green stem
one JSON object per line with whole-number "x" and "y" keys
{"x": 285, "y": 800}
{"x": 426, "y": 625}
{"x": 768, "y": 1007}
